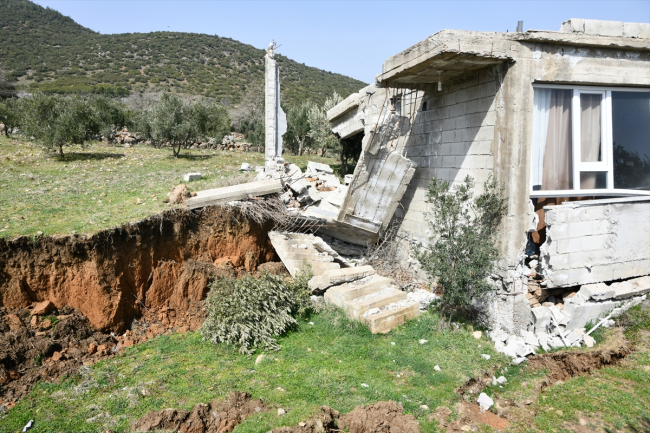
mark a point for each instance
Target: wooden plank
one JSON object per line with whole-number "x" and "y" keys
{"x": 236, "y": 192}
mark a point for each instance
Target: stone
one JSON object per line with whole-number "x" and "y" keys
{"x": 484, "y": 402}
{"x": 42, "y": 308}
{"x": 190, "y": 177}
{"x": 14, "y": 322}
{"x": 92, "y": 348}
{"x": 437, "y": 368}
{"x": 590, "y": 311}
{"x": 281, "y": 412}
{"x": 259, "y": 359}
{"x": 477, "y": 334}
{"x": 422, "y": 341}
{"x": 486, "y": 357}
{"x": 597, "y": 292}
{"x": 246, "y": 167}
{"x": 501, "y": 380}
{"x": 34, "y": 322}
{"x": 318, "y": 167}
{"x": 299, "y": 186}
{"x": 57, "y": 356}
{"x": 589, "y": 341}
{"x": 542, "y": 318}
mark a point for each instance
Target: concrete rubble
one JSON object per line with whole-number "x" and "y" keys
{"x": 563, "y": 325}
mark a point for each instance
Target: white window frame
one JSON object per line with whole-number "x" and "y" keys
{"x": 607, "y": 164}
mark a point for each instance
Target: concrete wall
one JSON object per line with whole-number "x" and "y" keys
{"x": 591, "y": 243}
{"x": 452, "y": 139}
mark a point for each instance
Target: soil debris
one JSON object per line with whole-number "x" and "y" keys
{"x": 570, "y": 363}
{"x": 112, "y": 276}
{"x": 382, "y": 417}
{"x": 178, "y": 194}
{"x": 217, "y": 417}
{"x": 470, "y": 415}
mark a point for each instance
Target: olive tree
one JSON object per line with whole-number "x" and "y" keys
{"x": 297, "y": 135}
{"x": 210, "y": 119}
{"x": 171, "y": 121}
{"x": 57, "y": 121}
{"x": 10, "y": 111}
{"x": 462, "y": 252}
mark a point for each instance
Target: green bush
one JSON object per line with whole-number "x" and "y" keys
{"x": 462, "y": 250}
{"x": 250, "y": 312}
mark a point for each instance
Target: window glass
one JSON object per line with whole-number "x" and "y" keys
{"x": 593, "y": 180}
{"x": 590, "y": 137}
{"x": 631, "y": 136}
{"x": 552, "y": 140}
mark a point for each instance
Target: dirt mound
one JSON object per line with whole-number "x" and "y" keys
{"x": 470, "y": 416}
{"x": 162, "y": 261}
{"x": 45, "y": 349}
{"x": 321, "y": 423}
{"x": 218, "y": 417}
{"x": 178, "y": 194}
{"x": 566, "y": 364}
{"x": 382, "y": 417}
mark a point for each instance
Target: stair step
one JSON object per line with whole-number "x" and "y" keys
{"x": 356, "y": 307}
{"x": 310, "y": 257}
{"x": 317, "y": 268}
{"x": 385, "y": 320}
{"x": 339, "y": 295}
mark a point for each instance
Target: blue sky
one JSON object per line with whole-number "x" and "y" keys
{"x": 351, "y": 38}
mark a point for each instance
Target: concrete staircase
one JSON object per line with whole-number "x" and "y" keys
{"x": 359, "y": 291}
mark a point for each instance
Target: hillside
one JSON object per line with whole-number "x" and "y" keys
{"x": 43, "y": 50}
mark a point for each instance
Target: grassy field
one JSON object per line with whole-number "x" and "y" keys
{"x": 328, "y": 363}
{"x": 99, "y": 187}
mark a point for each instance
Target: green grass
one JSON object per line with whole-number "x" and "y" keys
{"x": 98, "y": 187}
{"x": 179, "y": 371}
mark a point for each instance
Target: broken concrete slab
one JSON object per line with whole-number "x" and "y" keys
{"x": 339, "y": 295}
{"x": 541, "y": 319}
{"x": 299, "y": 186}
{"x": 590, "y": 311}
{"x": 233, "y": 193}
{"x": 318, "y": 167}
{"x": 597, "y": 292}
{"x": 321, "y": 283}
{"x": 385, "y": 320}
{"x": 190, "y": 177}
{"x": 297, "y": 251}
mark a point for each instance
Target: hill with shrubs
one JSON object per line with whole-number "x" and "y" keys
{"x": 43, "y": 50}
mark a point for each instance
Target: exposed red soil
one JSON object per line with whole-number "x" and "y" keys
{"x": 52, "y": 347}
{"x": 470, "y": 415}
{"x": 217, "y": 417}
{"x": 570, "y": 363}
{"x": 382, "y": 417}
{"x": 162, "y": 261}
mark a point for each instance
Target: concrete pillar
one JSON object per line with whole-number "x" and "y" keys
{"x": 275, "y": 120}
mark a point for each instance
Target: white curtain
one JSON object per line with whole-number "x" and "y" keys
{"x": 552, "y": 162}
{"x": 541, "y": 107}
{"x": 590, "y": 146}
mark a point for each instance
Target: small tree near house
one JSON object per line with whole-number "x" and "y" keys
{"x": 462, "y": 251}
{"x": 298, "y": 129}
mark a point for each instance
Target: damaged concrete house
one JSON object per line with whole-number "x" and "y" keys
{"x": 560, "y": 118}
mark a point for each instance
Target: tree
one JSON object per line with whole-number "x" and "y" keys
{"x": 171, "y": 120}
{"x": 320, "y": 130}
{"x": 10, "y": 113}
{"x": 462, "y": 252}
{"x": 210, "y": 119}
{"x": 58, "y": 121}
{"x": 350, "y": 150}
{"x": 109, "y": 116}
{"x": 297, "y": 135}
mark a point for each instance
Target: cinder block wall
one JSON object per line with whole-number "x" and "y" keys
{"x": 453, "y": 138}
{"x": 591, "y": 243}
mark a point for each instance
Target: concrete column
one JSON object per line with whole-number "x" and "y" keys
{"x": 275, "y": 120}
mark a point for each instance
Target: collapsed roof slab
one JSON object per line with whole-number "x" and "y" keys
{"x": 452, "y": 52}
{"x": 456, "y": 52}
